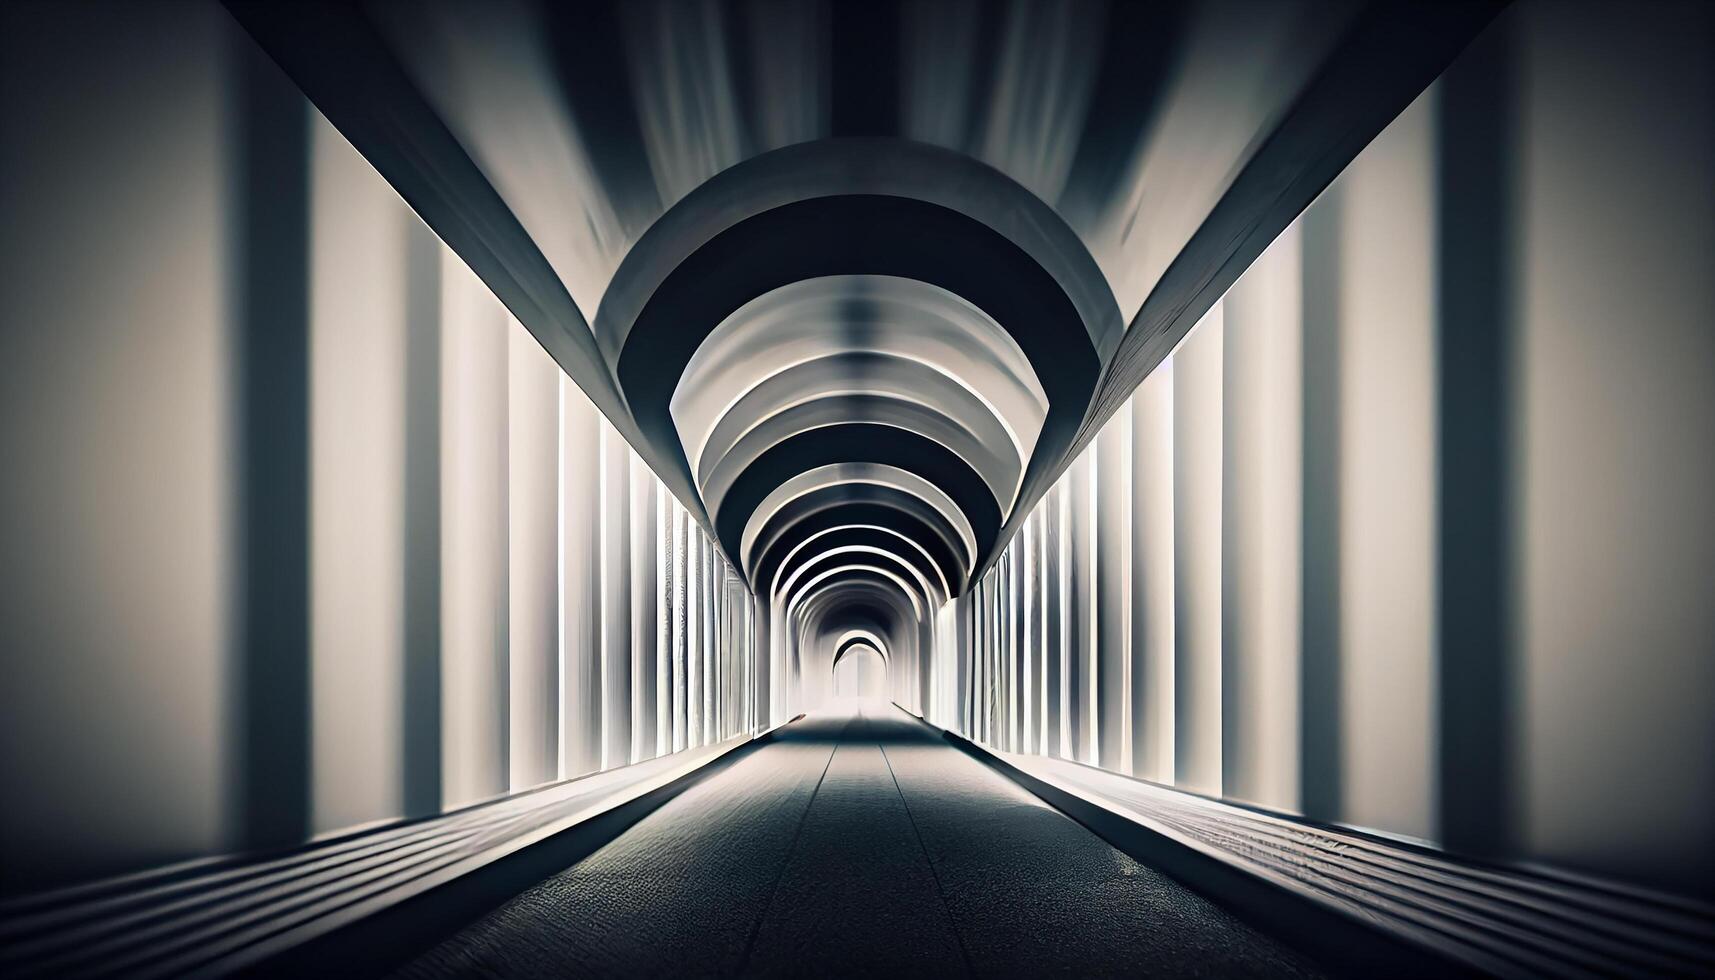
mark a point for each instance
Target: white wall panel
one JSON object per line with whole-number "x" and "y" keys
{"x": 645, "y": 608}
{"x": 1112, "y": 584}
{"x": 1052, "y": 512}
{"x": 533, "y": 395}
{"x": 117, "y": 426}
{"x": 1261, "y": 516}
{"x": 1152, "y": 582}
{"x": 475, "y": 605}
{"x": 358, "y": 347}
{"x": 613, "y": 466}
{"x": 580, "y": 582}
{"x": 1386, "y": 316}
{"x": 1616, "y": 438}
{"x": 1081, "y": 607}
{"x": 1197, "y": 368}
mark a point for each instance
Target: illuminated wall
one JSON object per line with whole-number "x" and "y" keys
{"x": 303, "y": 530}
{"x": 1412, "y": 533}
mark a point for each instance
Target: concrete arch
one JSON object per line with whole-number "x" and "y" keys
{"x": 878, "y": 239}
{"x": 855, "y": 638}
{"x": 852, "y": 373}
{"x": 861, "y": 482}
{"x": 868, "y": 554}
{"x": 845, "y": 534}
{"x": 1000, "y": 471}
{"x": 848, "y": 443}
{"x": 919, "y": 601}
{"x": 854, "y": 335}
{"x": 866, "y": 171}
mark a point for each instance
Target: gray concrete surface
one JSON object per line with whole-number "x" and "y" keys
{"x": 860, "y": 843}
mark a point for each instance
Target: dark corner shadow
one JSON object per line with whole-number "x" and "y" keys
{"x": 421, "y": 776}
{"x": 1474, "y": 523}
{"x": 270, "y": 711}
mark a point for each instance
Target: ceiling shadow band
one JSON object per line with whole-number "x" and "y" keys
{"x": 856, "y": 608}
{"x": 876, "y": 597}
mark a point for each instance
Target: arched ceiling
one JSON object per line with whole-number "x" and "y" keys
{"x": 859, "y": 279}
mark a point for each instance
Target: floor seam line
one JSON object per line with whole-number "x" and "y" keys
{"x": 797, "y": 833}
{"x": 940, "y": 892}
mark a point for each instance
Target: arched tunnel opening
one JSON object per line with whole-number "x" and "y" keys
{"x": 860, "y": 672}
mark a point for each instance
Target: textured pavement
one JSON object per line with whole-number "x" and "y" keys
{"x": 858, "y": 842}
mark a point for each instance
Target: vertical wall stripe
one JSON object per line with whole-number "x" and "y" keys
{"x": 1261, "y": 553}
{"x": 580, "y": 586}
{"x": 1113, "y": 530}
{"x": 1197, "y": 369}
{"x": 533, "y": 504}
{"x": 645, "y": 612}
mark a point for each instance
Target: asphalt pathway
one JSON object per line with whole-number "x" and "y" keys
{"x": 858, "y": 842}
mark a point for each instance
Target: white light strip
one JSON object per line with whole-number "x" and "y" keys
{"x": 602, "y": 577}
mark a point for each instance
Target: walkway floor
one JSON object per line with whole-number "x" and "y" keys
{"x": 858, "y": 842}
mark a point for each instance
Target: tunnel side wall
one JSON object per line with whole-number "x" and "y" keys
{"x": 116, "y": 434}
{"x": 1449, "y": 576}
{"x": 302, "y": 530}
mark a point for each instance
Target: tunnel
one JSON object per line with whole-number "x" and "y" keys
{"x": 818, "y": 487}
